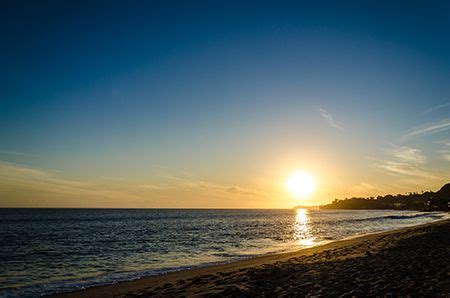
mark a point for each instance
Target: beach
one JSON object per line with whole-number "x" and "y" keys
{"x": 408, "y": 261}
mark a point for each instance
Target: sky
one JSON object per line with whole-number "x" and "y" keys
{"x": 213, "y": 104}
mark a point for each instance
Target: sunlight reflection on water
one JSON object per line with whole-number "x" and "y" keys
{"x": 302, "y": 231}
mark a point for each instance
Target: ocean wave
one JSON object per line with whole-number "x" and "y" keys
{"x": 394, "y": 217}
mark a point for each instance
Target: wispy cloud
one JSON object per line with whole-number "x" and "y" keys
{"x": 188, "y": 181}
{"x": 364, "y": 189}
{"x": 19, "y": 178}
{"x": 246, "y": 191}
{"x": 445, "y": 155}
{"x": 20, "y": 185}
{"x": 406, "y": 169}
{"x": 444, "y": 152}
{"x": 329, "y": 119}
{"x": 406, "y": 161}
{"x": 436, "y": 107}
{"x": 152, "y": 187}
{"x": 428, "y": 128}
{"x": 408, "y": 154}
{"x": 15, "y": 153}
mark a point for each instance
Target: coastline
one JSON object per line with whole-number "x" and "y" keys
{"x": 305, "y": 271}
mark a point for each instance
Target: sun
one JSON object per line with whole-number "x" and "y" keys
{"x": 301, "y": 184}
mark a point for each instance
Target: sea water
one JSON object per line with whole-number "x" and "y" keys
{"x": 45, "y": 251}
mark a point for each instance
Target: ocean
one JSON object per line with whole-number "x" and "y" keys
{"x": 45, "y": 251}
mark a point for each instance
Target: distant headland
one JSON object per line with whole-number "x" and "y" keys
{"x": 425, "y": 201}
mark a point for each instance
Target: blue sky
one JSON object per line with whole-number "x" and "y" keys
{"x": 221, "y": 96}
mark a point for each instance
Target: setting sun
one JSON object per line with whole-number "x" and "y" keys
{"x": 301, "y": 184}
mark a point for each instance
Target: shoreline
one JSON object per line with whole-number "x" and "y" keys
{"x": 209, "y": 280}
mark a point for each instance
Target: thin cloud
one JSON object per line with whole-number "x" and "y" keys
{"x": 436, "y": 107}
{"x": 406, "y": 162}
{"x": 167, "y": 180}
{"x": 364, "y": 189}
{"x": 15, "y": 153}
{"x": 409, "y": 155}
{"x": 187, "y": 181}
{"x": 20, "y": 185}
{"x": 405, "y": 169}
{"x": 16, "y": 177}
{"x": 329, "y": 119}
{"x": 429, "y": 128}
{"x": 445, "y": 151}
{"x": 445, "y": 155}
{"x": 152, "y": 187}
{"x": 245, "y": 191}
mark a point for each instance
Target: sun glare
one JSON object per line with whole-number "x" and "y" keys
{"x": 301, "y": 184}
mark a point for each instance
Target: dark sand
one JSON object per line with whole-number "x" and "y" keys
{"x": 411, "y": 261}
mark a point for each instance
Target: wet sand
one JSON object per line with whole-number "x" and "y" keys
{"x": 411, "y": 261}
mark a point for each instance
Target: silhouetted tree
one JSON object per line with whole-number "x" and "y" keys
{"x": 427, "y": 201}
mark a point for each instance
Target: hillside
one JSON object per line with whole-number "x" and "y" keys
{"x": 426, "y": 201}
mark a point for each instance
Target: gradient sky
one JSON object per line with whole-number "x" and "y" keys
{"x": 213, "y": 104}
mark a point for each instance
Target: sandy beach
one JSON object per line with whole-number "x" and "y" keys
{"x": 410, "y": 261}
